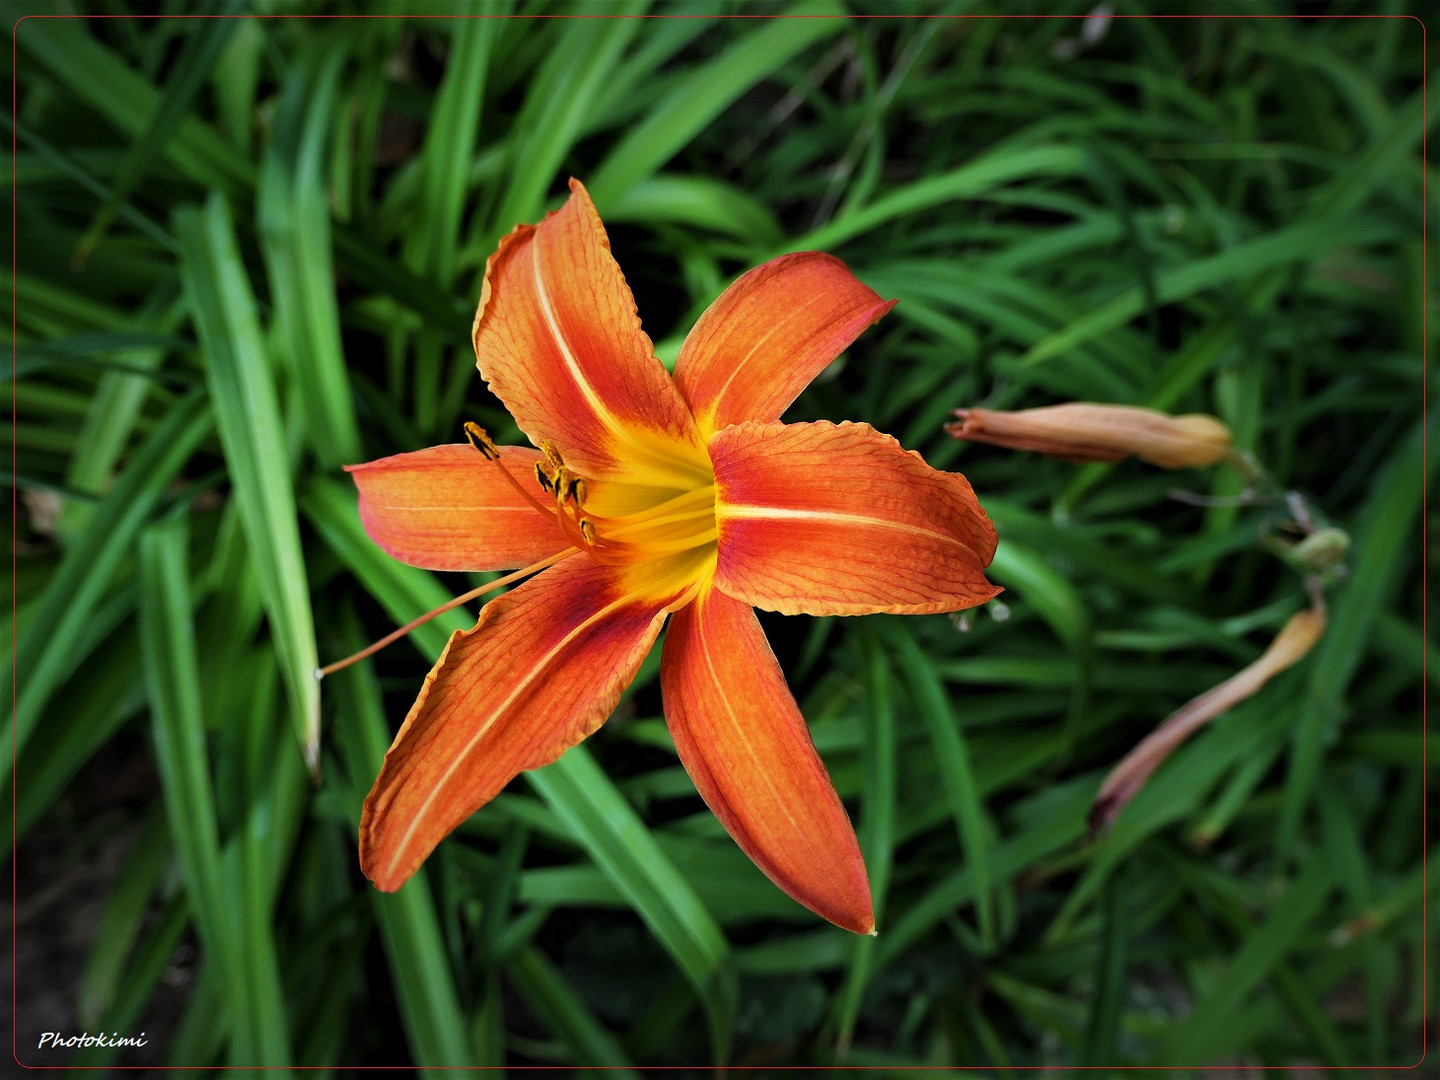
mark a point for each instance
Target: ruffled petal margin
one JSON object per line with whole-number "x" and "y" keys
{"x": 839, "y": 519}
{"x": 771, "y": 332}
{"x": 743, "y": 741}
{"x": 541, "y": 670}
{"x": 557, "y": 339}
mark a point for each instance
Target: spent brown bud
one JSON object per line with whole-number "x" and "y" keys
{"x": 1084, "y": 431}
{"x": 1296, "y": 638}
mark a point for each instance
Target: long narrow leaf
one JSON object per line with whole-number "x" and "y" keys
{"x": 294, "y": 219}
{"x": 46, "y": 651}
{"x": 167, "y": 640}
{"x": 951, "y": 753}
{"x": 615, "y": 837}
{"x": 252, "y": 435}
{"x": 705, "y": 94}
{"x": 409, "y": 926}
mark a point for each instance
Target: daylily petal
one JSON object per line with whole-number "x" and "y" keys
{"x": 447, "y": 508}
{"x": 557, "y": 338}
{"x": 838, "y": 519}
{"x": 745, "y": 744}
{"x": 541, "y": 670}
{"x": 769, "y": 334}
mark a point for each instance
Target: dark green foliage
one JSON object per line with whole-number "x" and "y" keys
{"x": 248, "y": 253}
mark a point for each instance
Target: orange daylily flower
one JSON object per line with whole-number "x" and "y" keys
{"x": 652, "y": 496}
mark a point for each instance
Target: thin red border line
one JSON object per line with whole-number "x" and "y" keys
{"x": 1424, "y": 579}
{"x": 712, "y": 18}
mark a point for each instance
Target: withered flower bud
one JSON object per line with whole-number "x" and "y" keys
{"x": 1083, "y": 431}
{"x": 1296, "y": 638}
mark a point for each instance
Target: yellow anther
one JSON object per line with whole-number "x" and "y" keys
{"x": 587, "y": 530}
{"x": 575, "y": 490}
{"x": 552, "y": 455}
{"x": 480, "y": 439}
{"x": 542, "y": 477}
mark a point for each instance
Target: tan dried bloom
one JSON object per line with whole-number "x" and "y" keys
{"x": 1084, "y": 431}
{"x": 1295, "y": 639}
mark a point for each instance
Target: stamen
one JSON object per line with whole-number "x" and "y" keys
{"x": 480, "y": 439}
{"x": 391, "y": 638}
{"x": 669, "y": 527}
{"x": 652, "y": 548}
{"x": 702, "y": 499}
{"x": 490, "y": 452}
{"x": 628, "y": 527}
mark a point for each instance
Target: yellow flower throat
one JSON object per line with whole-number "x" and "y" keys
{"x": 656, "y": 522}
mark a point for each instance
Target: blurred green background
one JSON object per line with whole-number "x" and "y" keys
{"x": 249, "y": 252}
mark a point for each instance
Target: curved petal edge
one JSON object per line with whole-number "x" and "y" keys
{"x": 839, "y": 519}
{"x": 769, "y": 334}
{"x": 558, "y": 341}
{"x": 743, "y": 741}
{"x": 541, "y": 670}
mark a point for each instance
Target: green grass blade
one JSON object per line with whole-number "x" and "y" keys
{"x": 153, "y": 956}
{"x": 565, "y": 1013}
{"x": 564, "y": 93}
{"x": 252, "y": 435}
{"x": 1245, "y": 260}
{"x": 294, "y": 223}
{"x": 1102, "y": 1034}
{"x": 167, "y": 641}
{"x": 444, "y": 165}
{"x": 1041, "y": 586}
{"x": 876, "y": 833}
{"x": 408, "y": 922}
{"x": 258, "y": 852}
{"x": 114, "y": 410}
{"x": 1264, "y": 947}
{"x": 700, "y": 203}
{"x": 969, "y": 181}
{"x": 192, "y": 67}
{"x": 1062, "y": 823}
{"x": 450, "y": 146}
{"x": 120, "y": 925}
{"x": 614, "y": 836}
{"x": 128, "y": 100}
{"x": 704, "y": 94}
{"x": 47, "y": 649}
{"x": 953, "y": 758}
{"x": 80, "y": 719}
{"x": 1388, "y": 522}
